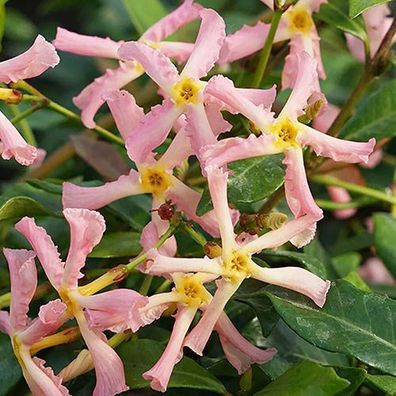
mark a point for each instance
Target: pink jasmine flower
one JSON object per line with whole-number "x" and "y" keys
{"x": 235, "y": 263}
{"x": 25, "y": 332}
{"x": 378, "y": 21}
{"x": 86, "y": 230}
{"x": 33, "y": 62}
{"x": 91, "y": 98}
{"x": 284, "y": 134}
{"x": 296, "y": 25}
{"x": 373, "y": 270}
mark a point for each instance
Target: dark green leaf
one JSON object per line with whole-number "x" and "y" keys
{"x": 356, "y": 7}
{"x": 346, "y": 263}
{"x": 306, "y": 378}
{"x": 355, "y": 376}
{"x": 375, "y": 116}
{"x": 118, "y": 244}
{"x": 384, "y": 239}
{"x": 17, "y": 207}
{"x": 2, "y": 20}
{"x": 352, "y": 321}
{"x": 386, "y": 383}
{"x": 354, "y": 279}
{"x": 9, "y": 367}
{"x": 140, "y": 355}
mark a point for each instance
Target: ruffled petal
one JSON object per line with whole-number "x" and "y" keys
{"x": 23, "y": 279}
{"x": 207, "y": 46}
{"x": 13, "y": 144}
{"x": 31, "y": 63}
{"x": 216, "y": 121}
{"x": 44, "y": 247}
{"x": 244, "y": 42}
{"x": 126, "y": 113}
{"x": 155, "y": 64}
{"x": 158, "y": 303}
{"x": 96, "y": 197}
{"x": 86, "y": 231}
{"x": 297, "y": 279}
{"x": 84, "y": 45}
{"x": 160, "y": 373}
{"x": 336, "y": 149}
{"x": 90, "y": 99}
{"x": 152, "y": 130}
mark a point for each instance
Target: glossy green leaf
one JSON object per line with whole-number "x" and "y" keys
{"x": 354, "y": 375}
{"x": 140, "y": 355}
{"x": 17, "y": 207}
{"x": 384, "y": 239}
{"x": 346, "y": 263}
{"x": 352, "y": 321}
{"x": 9, "y": 367}
{"x": 145, "y": 13}
{"x": 306, "y": 378}
{"x": 356, "y": 7}
{"x": 118, "y": 244}
{"x": 375, "y": 117}
{"x": 386, "y": 383}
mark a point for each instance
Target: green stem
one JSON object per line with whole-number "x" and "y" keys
{"x": 266, "y": 51}
{"x": 164, "y": 286}
{"x": 19, "y": 117}
{"x": 5, "y": 300}
{"x": 330, "y": 205}
{"x": 194, "y": 234}
{"x": 362, "y": 190}
{"x": 146, "y": 285}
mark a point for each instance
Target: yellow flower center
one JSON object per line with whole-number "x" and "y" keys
{"x": 300, "y": 21}
{"x": 186, "y": 91}
{"x": 17, "y": 347}
{"x": 286, "y": 132}
{"x": 72, "y": 306}
{"x": 155, "y": 180}
{"x": 238, "y": 266}
{"x": 191, "y": 290}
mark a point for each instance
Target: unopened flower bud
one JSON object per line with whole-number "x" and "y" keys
{"x": 273, "y": 220}
{"x": 165, "y": 211}
{"x": 212, "y": 250}
{"x": 10, "y": 96}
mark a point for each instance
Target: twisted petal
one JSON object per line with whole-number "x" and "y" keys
{"x": 82, "y": 44}
{"x": 158, "y": 303}
{"x": 297, "y": 279}
{"x": 336, "y": 149}
{"x": 90, "y": 99}
{"x": 160, "y": 373}
{"x": 23, "y": 279}
{"x": 13, "y": 144}
{"x": 86, "y": 231}
{"x": 44, "y": 248}
{"x": 126, "y": 113}
{"x": 207, "y": 45}
{"x": 33, "y": 62}
{"x": 96, "y": 197}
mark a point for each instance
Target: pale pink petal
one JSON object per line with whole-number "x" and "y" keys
{"x": 374, "y": 271}
{"x": 260, "y": 97}
{"x": 90, "y": 99}
{"x": 23, "y": 279}
{"x": 297, "y": 191}
{"x": 155, "y": 64}
{"x": 199, "y": 336}
{"x": 126, "y": 113}
{"x": 338, "y": 194}
{"x": 115, "y": 310}
{"x": 13, "y": 144}
{"x": 160, "y": 373}
{"x": 82, "y": 44}
{"x": 178, "y": 151}
{"x": 207, "y": 46}
{"x": 152, "y": 130}
{"x": 96, "y": 197}
{"x": 238, "y": 350}
{"x": 216, "y": 121}
{"x": 5, "y": 323}
{"x": 336, "y": 149}
{"x": 178, "y": 51}
{"x": 44, "y": 247}
{"x": 149, "y": 237}
{"x": 374, "y": 159}
{"x": 314, "y": 5}
{"x": 275, "y": 238}
{"x": 185, "y": 13}
{"x": 31, "y": 63}
{"x": 269, "y": 3}
{"x": 324, "y": 119}
{"x": 158, "y": 303}
{"x": 41, "y": 154}
{"x": 244, "y": 42}
{"x": 51, "y": 316}
{"x": 86, "y": 230}
{"x": 297, "y": 279}
{"x": 317, "y": 54}
{"x": 233, "y": 149}
{"x": 356, "y": 47}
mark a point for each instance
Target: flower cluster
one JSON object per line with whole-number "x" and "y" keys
{"x": 194, "y": 100}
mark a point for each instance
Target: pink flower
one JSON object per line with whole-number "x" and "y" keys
{"x": 284, "y": 134}
{"x": 86, "y": 230}
{"x": 236, "y": 264}
{"x": 374, "y": 271}
{"x": 24, "y": 332}
{"x": 91, "y": 98}
{"x": 33, "y": 62}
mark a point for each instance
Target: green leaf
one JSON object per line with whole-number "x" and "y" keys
{"x": 251, "y": 180}
{"x": 118, "y": 244}
{"x": 375, "y": 116}
{"x": 306, "y": 378}
{"x": 335, "y": 13}
{"x": 352, "y": 321}
{"x": 346, "y": 263}
{"x": 145, "y": 13}
{"x": 384, "y": 239}
{"x": 355, "y": 376}
{"x": 2, "y": 20}
{"x": 140, "y": 355}
{"x": 17, "y": 207}
{"x": 9, "y": 367}
{"x": 355, "y": 279}
{"x": 356, "y": 7}
{"x": 384, "y": 382}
